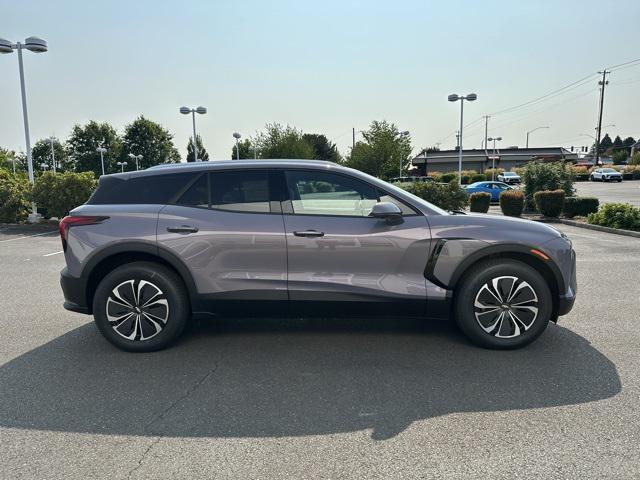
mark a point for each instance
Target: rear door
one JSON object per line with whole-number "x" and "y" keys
{"x": 341, "y": 259}
{"x": 230, "y": 235}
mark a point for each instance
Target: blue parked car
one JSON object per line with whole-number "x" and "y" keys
{"x": 494, "y": 188}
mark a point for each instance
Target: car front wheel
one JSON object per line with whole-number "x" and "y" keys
{"x": 502, "y": 304}
{"x": 141, "y": 307}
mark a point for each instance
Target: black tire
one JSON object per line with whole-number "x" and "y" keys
{"x": 619, "y": 180}
{"x": 591, "y": 179}
{"x": 147, "y": 279}
{"x": 472, "y": 287}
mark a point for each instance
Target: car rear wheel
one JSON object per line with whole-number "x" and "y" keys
{"x": 141, "y": 307}
{"x": 503, "y": 304}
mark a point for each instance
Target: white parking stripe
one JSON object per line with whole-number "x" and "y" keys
{"x": 27, "y": 236}
{"x": 54, "y": 253}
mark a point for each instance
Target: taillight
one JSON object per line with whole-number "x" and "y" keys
{"x": 73, "y": 221}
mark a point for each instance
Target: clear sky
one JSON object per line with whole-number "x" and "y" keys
{"x": 323, "y": 66}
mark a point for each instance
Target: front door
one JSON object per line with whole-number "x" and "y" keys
{"x": 339, "y": 258}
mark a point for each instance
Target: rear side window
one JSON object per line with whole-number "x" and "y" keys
{"x": 240, "y": 191}
{"x": 148, "y": 189}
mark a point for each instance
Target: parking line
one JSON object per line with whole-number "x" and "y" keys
{"x": 54, "y": 253}
{"x": 27, "y": 236}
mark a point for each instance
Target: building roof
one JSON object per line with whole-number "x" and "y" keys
{"x": 444, "y": 156}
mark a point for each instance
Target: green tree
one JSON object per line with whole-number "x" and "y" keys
{"x": 203, "y": 155}
{"x": 617, "y": 143}
{"x": 246, "y": 150}
{"x": 282, "y": 142}
{"x": 149, "y": 139}
{"x": 605, "y": 144}
{"x": 620, "y": 156}
{"x": 382, "y": 152}
{"x": 41, "y": 153}
{"x": 82, "y": 144}
{"x": 15, "y": 192}
{"x": 628, "y": 143}
{"x": 323, "y": 149}
{"x": 545, "y": 176}
{"x": 7, "y": 158}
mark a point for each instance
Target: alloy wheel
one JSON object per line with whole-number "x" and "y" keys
{"x": 506, "y": 307}
{"x": 137, "y": 310}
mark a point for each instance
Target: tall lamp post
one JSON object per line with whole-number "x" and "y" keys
{"x": 493, "y": 157}
{"x": 36, "y": 45}
{"x": 193, "y": 111}
{"x": 53, "y": 154}
{"x": 135, "y": 158}
{"x": 454, "y": 98}
{"x": 121, "y": 165}
{"x": 531, "y": 131}
{"x": 237, "y": 136}
{"x": 401, "y": 135}
{"x": 101, "y": 151}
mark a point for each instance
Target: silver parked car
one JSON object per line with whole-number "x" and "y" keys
{"x": 150, "y": 249}
{"x": 509, "y": 177}
{"x": 605, "y": 175}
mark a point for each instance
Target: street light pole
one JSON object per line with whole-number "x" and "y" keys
{"x": 454, "y": 98}
{"x": 53, "y": 155}
{"x": 402, "y": 134}
{"x": 36, "y": 45}
{"x": 193, "y": 111}
{"x": 237, "y": 136}
{"x": 531, "y": 131}
{"x": 493, "y": 157}
{"x": 121, "y": 165}
{"x": 101, "y": 151}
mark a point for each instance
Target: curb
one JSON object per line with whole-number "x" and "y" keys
{"x": 588, "y": 226}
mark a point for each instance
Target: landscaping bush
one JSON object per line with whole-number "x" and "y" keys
{"x": 437, "y": 176}
{"x": 58, "y": 193}
{"x": 617, "y": 215}
{"x": 581, "y": 173}
{"x": 447, "y": 197}
{"x": 635, "y": 159}
{"x": 632, "y": 172}
{"x": 549, "y": 203}
{"x": 448, "y": 177}
{"x": 539, "y": 176}
{"x": 490, "y": 171}
{"x": 580, "y": 206}
{"x": 512, "y": 202}
{"x": 477, "y": 177}
{"x": 479, "y": 202}
{"x": 14, "y": 197}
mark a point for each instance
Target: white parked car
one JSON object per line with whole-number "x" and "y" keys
{"x": 509, "y": 177}
{"x": 605, "y": 175}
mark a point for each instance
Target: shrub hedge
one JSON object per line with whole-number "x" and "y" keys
{"x": 477, "y": 177}
{"x": 512, "y": 202}
{"x": 15, "y": 193}
{"x": 549, "y": 203}
{"x": 580, "y": 206}
{"x": 479, "y": 202}
{"x": 616, "y": 215}
{"x": 59, "y": 193}
{"x": 447, "y": 197}
{"x": 546, "y": 176}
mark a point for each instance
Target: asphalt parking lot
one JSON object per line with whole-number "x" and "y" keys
{"x": 328, "y": 398}
{"x": 627, "y": 191}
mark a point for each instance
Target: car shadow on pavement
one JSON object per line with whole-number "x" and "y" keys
{"x": 271, "y": 378}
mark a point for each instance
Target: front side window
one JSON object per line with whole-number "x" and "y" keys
{"x": 321, "y": 193}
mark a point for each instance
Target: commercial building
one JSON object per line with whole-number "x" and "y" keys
{"x": 480, "y": 160}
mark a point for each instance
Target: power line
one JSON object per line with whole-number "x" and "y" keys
{"x": 630, "y": 63}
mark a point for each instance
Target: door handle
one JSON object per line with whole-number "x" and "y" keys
{"x": 309, "y": 234}
{"x": 182, "y": 229}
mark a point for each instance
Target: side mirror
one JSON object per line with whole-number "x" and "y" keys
{"x": 387, "y": 211}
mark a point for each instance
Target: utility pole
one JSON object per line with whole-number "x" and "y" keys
{"x": 486, "y": 130}
{"x": 353, "y": 139}
{"x": 603, "y": 83}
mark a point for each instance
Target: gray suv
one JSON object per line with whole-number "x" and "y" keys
{"x": 153, "y": 248}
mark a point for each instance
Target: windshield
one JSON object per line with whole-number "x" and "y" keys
{"x": 609, "y": 170}
{"x": 510, "y": 174}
